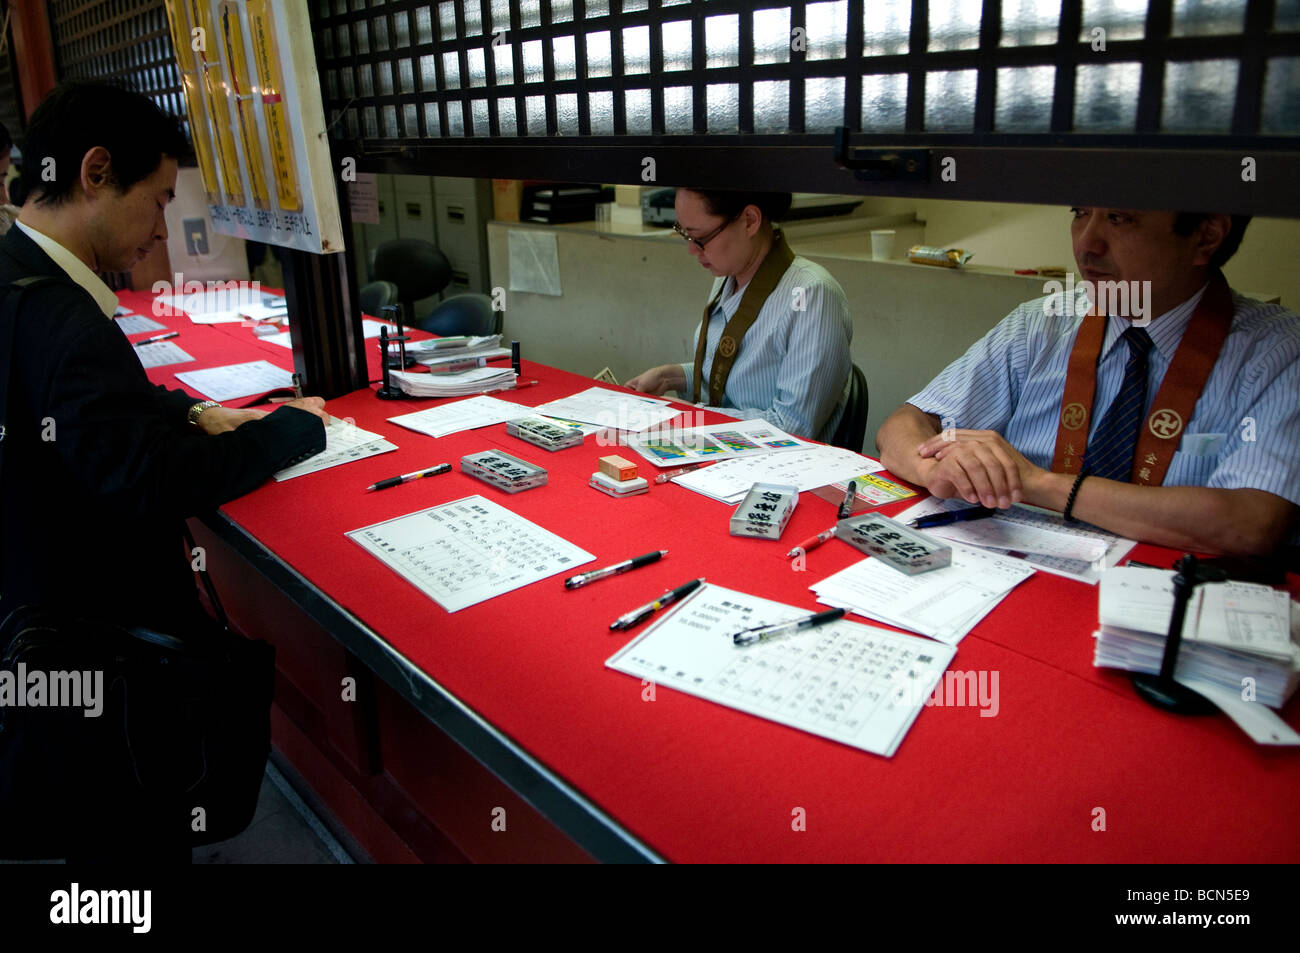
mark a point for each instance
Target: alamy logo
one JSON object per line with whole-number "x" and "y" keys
{"x": 74, "y": 905}
{"x": 21, "y": 688}
{"x": 1123, "y": 299}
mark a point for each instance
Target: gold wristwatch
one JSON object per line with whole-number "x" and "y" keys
{"x": 199, "y": 408}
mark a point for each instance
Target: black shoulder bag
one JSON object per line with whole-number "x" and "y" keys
{"x": 174, "y": 752}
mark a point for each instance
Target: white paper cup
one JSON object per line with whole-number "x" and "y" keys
{"x": 882, "y": 244}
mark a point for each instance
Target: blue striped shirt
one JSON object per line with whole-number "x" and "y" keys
{"x": 793, "y": 365}
{"x": 1244, "y": 432}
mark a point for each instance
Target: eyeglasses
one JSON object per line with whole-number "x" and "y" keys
{"x": 701, "y": 242}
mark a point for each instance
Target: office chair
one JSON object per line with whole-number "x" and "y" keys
{"x": 375, "y": 295}
{"x": 852, "y": 431}
{"x": 417, "y": 268}
{"x": 462, "y": 314}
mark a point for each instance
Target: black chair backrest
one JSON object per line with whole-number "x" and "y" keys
{"x": 462, "y": 314}
{"x": 375, "y": 295}
{"x": 417, "y": 268}
{"x": 852, "y": 431}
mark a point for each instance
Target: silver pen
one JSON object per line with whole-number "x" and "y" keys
{"x": 763, "y": 632}
{"x": 582, "y": 578}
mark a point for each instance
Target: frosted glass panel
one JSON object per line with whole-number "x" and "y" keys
{"x": 535, "y": 110}
{"x": 505, "y": 65}
{"x": 533, "y": 62}
{"x": 1106, "y": 97}
{"x": 1023, "y": 101}
{"x": 477, "y": 67}
{"x": 450, "y": 71}
{"x": 348, "y": 91}
{"x": 884, "y": 102}
{"x": 423, "y": 27}
{"x": 636, "y": 110}
{"x": 411, "y": 119}
{"x": 384, "y": 70}
{"x": 771, "y": 36}
{"x": 479, "y": 112}
{"x": 455, "y": 120}
{"x": 954, "y": 24}
{"x": 1121, "y": 19}
{"x": 772, "y": 106}
{"x": 367, "y": 82}
{"x": 506, "y": 116}
{"x": 827, "y": 28}
{"x": 598, "y": 56}
{"x": 428, "y": 73}
{"x": 407, "y": 76}
{"x": 673, "y": 3}
{"x": 1029, "y": 22}
{"x": 561, "y": 11}
{"x": 1208, "y": 17}
{"x": 379, "y": 34}
{"x": 950, "y": 101}
{"x": 679, "y": 114}
{"x": 1287, "y": 16}
{"x": 447, "y": 21}
{"x": 724, "y": 107}
{"x": 345, "y": 41}
{"x": 636, "y": 49}
{"x": 1281, "y": 109}
{"x": 530, "y": 14}
{"x": 566, "y": 113}
{"x": 354, "y": 130}
{"x": 401, "y": 30}
{"x": 886, "y": 25}
{"x": 390, "y": 122}
{"x": 371, "y": 122}
{"x": 432, "y": 123}
{"x": 635, "y": 6}
{"x": 363, "y": 38}
{"x": 677, "y": 45}
{"x": 562, "y": 49}
{"x": 722, "y": 41}
{"x": 823, "y": 103}
{"x": 473, "y": 18}
{"x": 601, "y": 107}
{"x": 1199, "y": 97}
{"x": 597, "y": 8}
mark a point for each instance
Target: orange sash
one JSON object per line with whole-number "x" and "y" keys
{"x": 1175, "y": 401}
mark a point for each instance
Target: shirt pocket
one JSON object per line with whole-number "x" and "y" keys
{"x": 1188, "y": 468}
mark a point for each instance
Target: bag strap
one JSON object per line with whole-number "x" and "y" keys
{"x": 208, "y": 587}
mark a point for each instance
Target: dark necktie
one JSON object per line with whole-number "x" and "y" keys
{"x": 1110, "y": 452}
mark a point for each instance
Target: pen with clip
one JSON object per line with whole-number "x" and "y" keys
{"x": 639, "y": 615}
{"x": 669, "y": 474}
{"x": 763, "y": 632}
{"x": 850, "y": 497}
{"x": 582, "y": 578}
{"x": 811, "y": 543}
{"x": 159, "y": 337}
{"x": 408, "y": 477}
{"x": 953, "y": 516}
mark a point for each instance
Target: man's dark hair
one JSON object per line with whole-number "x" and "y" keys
{"x": 1187, "y": 222}
{"x": 77, "y": 116}
{"x": 730, "y": 204}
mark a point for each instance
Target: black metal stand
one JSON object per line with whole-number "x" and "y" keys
{"x": 1161, "y": 690}
{"x": 397, "y": 361}
{"x": 386, "y": 390}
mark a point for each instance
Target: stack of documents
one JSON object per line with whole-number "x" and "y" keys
{"x": 441, "y": 350}
{"x": 237, "y": 380}
{"x": 612, "y": 409}
{"x": 474, "y": 380}
{"x": 855, "y": 684}
{"x": 1233, "y": 631}
{"x": 1040, "y": 537}
{"x": 461, "y": 415}
{"x": 803, "y": 466}
{"x": 944, "y": 604}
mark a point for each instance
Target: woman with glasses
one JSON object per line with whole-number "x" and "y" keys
{"x": 774, "y": 340}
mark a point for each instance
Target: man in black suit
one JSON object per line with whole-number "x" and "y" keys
{"x": 100, "y": 467}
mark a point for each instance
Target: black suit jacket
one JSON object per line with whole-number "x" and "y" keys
{"x": 100, "y": 467}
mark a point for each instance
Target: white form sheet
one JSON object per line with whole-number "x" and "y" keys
{"x": 611, "y": 409}
{"x": 1042, "y": 538}
{"x": 672, "y": 447}
{"x": 138, "y": 324}
{"x": 806, "y": 467}
{"x": 344, "y": 442}
{"x": 944, "y": 604}
{"x": 237, "y": 380}
{"x": 161, "y": 353}
{"x": 856, "y": 684}
{"x": 467, "y": 551}
{"x": 468, "y": 414}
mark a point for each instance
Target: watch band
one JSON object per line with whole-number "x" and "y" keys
{"x": 197, "y": 409}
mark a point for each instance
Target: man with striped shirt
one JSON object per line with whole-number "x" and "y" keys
{"x": 1030, "y": 414}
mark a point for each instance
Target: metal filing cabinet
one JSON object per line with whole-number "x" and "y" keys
{"x": 464, "y": 208}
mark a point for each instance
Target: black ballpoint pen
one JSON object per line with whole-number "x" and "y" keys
{"x": 850, "y": 497}
{"x": 639, "y": 615}
{"x": 582, "y": 578}
{"x": 758, "y": 634}
{"x": 952, "y": 516}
